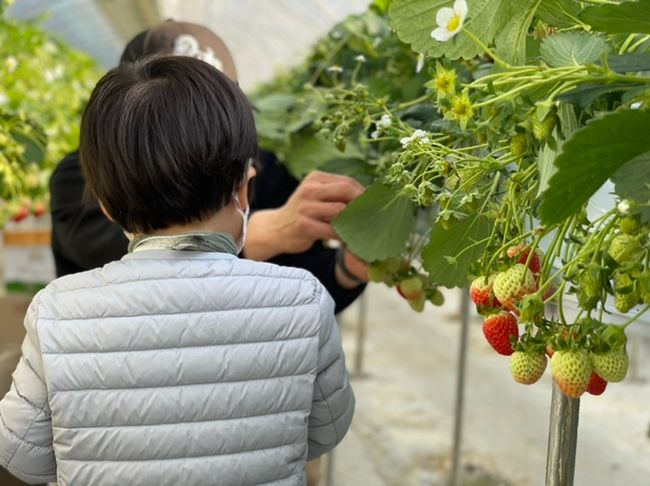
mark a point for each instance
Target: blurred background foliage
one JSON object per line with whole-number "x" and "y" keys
{"x": 44, "y": 84}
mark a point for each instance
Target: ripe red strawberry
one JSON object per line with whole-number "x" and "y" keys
{"x": 596, "y": 384}
{"x": 512, "y": 285}
{"x": 520, "y": 253}
{"x": 527, "y": 368}
{"x": 410, "y": 288}
{"x": 611, "y": 365}
{"x": 20, "y": 214}
{"x": 571, "y": 371}
{"x": 498, "y": 328}
{"x": 39, "y": 209}
{"x": 481, "y": 292}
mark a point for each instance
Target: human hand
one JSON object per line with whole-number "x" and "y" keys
{"x": 350, "y": 270}
{"x": 305, "y": 218}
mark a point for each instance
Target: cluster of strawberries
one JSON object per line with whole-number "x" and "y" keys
{"x": 578, "y": 369}
{"x": 496, "y": 297}
{"x": 507, "y": 297}
{"x": 23, "y": 209}
{"x": 415, "y": 287}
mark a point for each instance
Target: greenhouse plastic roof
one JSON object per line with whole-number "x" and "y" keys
{"x": 263, "y": 35}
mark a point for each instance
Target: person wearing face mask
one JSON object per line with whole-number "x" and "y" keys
{"x": 181, "y": 363}
{"x": 289, "y": 219}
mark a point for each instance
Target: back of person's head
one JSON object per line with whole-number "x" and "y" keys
{"x": 165, "y": 141}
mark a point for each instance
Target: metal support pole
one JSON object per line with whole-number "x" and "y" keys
{"x": 329, "y": 478}
{"x": 562, "y": 439}
{"x": 362, "y": 324}
{"x": 455, "y": 477}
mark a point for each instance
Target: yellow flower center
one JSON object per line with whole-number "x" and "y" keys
{"x": 454, "y": 23}
{"x": 461, "y": 108}
{"x": 443, "y": 82}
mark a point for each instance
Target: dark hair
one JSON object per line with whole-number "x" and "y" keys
{"x": 165, "y": 141}
{"x": 135, "y": 48}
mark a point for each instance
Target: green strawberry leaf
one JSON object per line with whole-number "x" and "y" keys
{"x": 413, "y": 21}
{"x": 34, "y": 141}
{"x": 559, "y": 13}
{"x": 632, "y": 181}
{"x": 377, "y": 225}
{"x": 356, "y": 168}
{"x": 629, "y": 62}
{"x": 451, "y": 251}
{"x": 592, "y": 156}
{"x": 586, "y": 94}
{"x": 573, "y": 49}
{"x": 545, "y": 167}
{"x": 628, "y": 17}
{"x": 511, "y": 40}
{"x": 309, "y": 152}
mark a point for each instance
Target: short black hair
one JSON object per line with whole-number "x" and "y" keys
{"x": 135, "y": 48}
{"x": 164, "y": 141}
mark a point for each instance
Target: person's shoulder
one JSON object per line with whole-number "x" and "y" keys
{"x": 69, "y": 162}
{"x": 68, "y": 166}
{"x": 276, "y": 275}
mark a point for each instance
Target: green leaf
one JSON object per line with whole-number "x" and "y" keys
{"x": 559, "y": 13}
{"x": 359, "y": 169}
{"x": 380, "y": 5}
{"x": 590, "y": 157}
{"x": 451, "y": 251}
{"x": 546, "y": 156}
{"x": 632, "y": 181}
{"x": 628, "y": 17}
{"x": 413, "y": 21}
{"x": 568, "y": 119}
{"x": 572, "y": 49}
{"x": 377, "y": 225}
{"x": 35, "y": 144}
{"x": 630, "y": 62}
{"x": 586, "y": 94}
{"x": 310, "y": 151}
{"x": 511, "y": 40}
{"x": 545, "y": 167}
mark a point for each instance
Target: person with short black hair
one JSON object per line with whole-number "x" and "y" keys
{"x": 180, "y": 363}
{"x": 289, "y": 218}
{"x": 151, "y": 171}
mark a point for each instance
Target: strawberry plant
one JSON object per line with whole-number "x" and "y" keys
{"x": 44, "y": 87}
{"x": 504, "y": 146}
{"x": 484, "y": 142}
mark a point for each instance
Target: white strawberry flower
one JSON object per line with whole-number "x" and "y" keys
{"x": 624, "y": 207}
{"x": 419, "y": 136}
{"x": 360, "y": 58}
{"x": 4, "y": 99}
{"x": 385, "y": 120}
{"x": 450, "y": 21}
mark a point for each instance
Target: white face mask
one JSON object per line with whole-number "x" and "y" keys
{"x": 241, "y": 241}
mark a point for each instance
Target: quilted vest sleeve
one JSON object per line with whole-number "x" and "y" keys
{"x": 333, "y": 402}
{"x": 25, "y": 426}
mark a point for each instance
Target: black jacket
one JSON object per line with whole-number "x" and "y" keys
{"x": 83, "y": 238}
